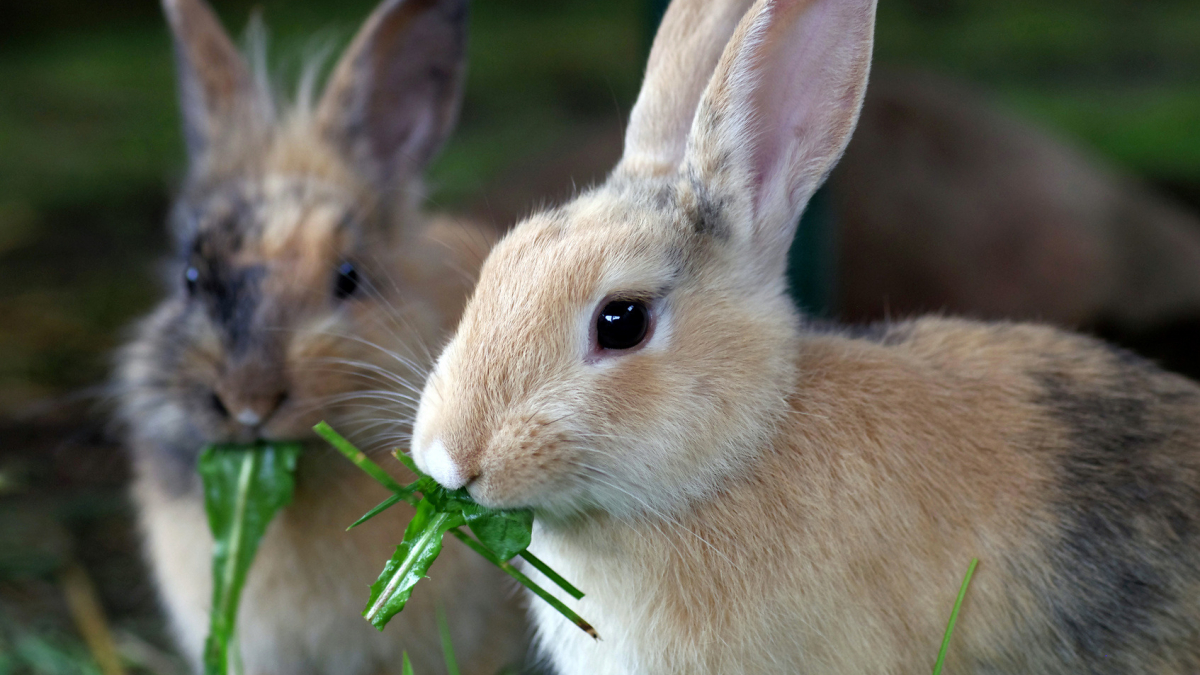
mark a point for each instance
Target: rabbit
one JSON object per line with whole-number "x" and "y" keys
{"x": 306, "y": 279}
{"x": 738, "y": 489}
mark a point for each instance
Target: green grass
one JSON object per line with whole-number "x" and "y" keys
{"x": 500, "y": 535}
{"x": 962, "y": 594}
{"x": 447, "y": 643}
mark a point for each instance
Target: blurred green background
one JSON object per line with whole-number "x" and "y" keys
{"x": 90, "y": 144}
{"x": 90, "y": 149}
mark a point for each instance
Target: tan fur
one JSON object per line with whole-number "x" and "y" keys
{"x": 744, "y": 493}
{"x": 271, "y": 209}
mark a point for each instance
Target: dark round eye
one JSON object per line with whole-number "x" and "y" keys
{"x": 622, "y": 324}
{"x": 346, "y": 282}
{"x": 190, "y": 278}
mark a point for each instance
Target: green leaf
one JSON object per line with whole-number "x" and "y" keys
{"x": 405, "y": 665}
{"x": 421, "y": 545}
{"x": 244, "y": 486}
{"x": 502, "y": 535}
{"x": 962, "y": 593}
{"x": 507, "y": 533}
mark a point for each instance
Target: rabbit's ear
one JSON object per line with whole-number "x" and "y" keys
{"x": 689, "y": 41}
{"x": 216, "y": 89}
{"x": 394, "y": 96}
{"x": 778, "y": 114}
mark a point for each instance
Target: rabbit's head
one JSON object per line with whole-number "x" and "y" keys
{"x": 630, "y": 350}
{"x": 301, "y": 259}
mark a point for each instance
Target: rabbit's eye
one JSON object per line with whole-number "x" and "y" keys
{"x": 191, "y": 276}
{"x": 346, "y": 283}
{"x": 622, "y": 324}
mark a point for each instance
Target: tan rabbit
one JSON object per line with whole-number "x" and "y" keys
{"x": 306, "y": 280}
{"x": 738, "y": 492}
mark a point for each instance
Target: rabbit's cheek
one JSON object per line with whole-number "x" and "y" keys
{"x": 530, "y": 466}
{"x": 534, "y": 480}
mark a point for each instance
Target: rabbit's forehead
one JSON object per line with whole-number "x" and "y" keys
{"x": 276, "y": 217}
{"x": 577, "y": 254}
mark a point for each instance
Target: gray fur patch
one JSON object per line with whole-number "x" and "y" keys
{"x": 1127, "y": 549}
{"x": 707, "y": 212}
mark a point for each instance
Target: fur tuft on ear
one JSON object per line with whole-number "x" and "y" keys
{"x": 216, "y": 89}
{"x": 779, "y": 112}
{"x": 686, "y": 47}
{"x": 394, "y": 96}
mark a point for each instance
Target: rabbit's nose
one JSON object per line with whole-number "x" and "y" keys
{"x": 442, "y": 467}
{"x": 249, "y": 410}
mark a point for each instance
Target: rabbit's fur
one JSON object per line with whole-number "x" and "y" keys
{"x": 257, "y": 341}
{"x": 745, "y": 493}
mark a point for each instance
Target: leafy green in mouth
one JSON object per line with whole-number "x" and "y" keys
{"x": 500, "y": 536}
{"x": 244, "y": 486}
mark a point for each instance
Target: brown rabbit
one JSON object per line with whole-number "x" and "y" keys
{"x": 306, "y": 279}
{"x": 739, "y": 492}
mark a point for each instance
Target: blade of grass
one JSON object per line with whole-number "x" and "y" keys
{"x": 360, "y": 460}
{"x": 962, "y": 593}
{"x": 88, "y": 614}
{"x": 383, "y": 506}
{"x": 406, "y": 461}
{"x": 447, "y": 645}
{"x": 525, "y": 581}
{"x": 551, "y": 574}
{"x": 406, "y": 665}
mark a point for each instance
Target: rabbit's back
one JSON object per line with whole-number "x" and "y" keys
{"x": 1069, "y": 468}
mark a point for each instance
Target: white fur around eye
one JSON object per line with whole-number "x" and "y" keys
{"x": 660, "y": 341}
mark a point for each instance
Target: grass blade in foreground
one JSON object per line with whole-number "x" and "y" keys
{"x": 542, "y": 567}
{"x": 359, "y": 459}
{"x": 962, "y": 593}
{"x": 447, "y": 645}
{"x": 526, "y": 582}
{"x": 243, "y": 488}
{"x": 502, "y": 535}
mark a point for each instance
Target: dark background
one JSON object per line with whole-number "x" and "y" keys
{"x": 90, "y": 149}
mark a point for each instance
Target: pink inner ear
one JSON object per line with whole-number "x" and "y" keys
{"x": 807, "y": 94}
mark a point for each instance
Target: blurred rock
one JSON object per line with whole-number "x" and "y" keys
{"x": 945, "y": 203}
